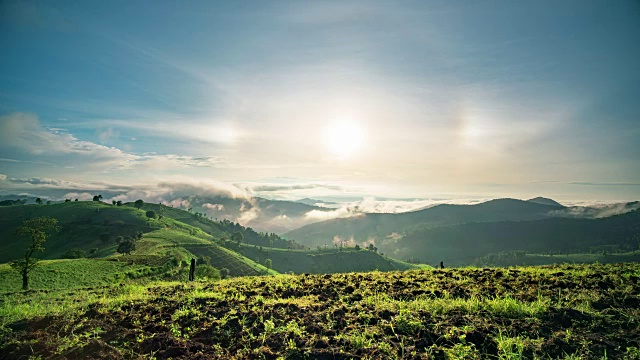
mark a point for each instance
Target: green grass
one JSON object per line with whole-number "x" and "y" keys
{"x": 69, "y": 274}
{"x": 81, "y": 224}
{"x": 570, "y": 311}
{"x": 237, "y": 264}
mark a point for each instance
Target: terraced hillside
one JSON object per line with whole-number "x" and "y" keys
{"x": 237, "y": 264}
{"x": 83, "y": 225}
{"x": 325, "y": 261}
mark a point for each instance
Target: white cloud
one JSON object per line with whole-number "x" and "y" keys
{"x": 370, "y": 205}
{"x": 248, "y": 211}
{"x": 106, "y": 135}
{"x": 79, "y": 196}
{"x": 3, "y": 177}
{"x": 216, "y": 207}
{"x": 22, "y": 133}
{"x": 177, "y": 191}
{"x": 598, "y": 210}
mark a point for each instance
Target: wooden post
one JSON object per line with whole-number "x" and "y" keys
{"x": 192, "y": 270}
{"x": 441, "y": 265}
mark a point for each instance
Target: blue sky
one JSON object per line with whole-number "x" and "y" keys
{"x": 424, "y": 99}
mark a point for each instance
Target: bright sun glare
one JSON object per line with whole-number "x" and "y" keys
{"x": 344, "y": 138}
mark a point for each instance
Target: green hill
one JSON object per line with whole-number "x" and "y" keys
{"x": 237, "y": 264}
{"x": 220, "y": 228}
{"x": 461, "y": 244}
{"x": 325, "y": 261}
{"x": 82, "y": 224}
{"x": 177, "y": 235}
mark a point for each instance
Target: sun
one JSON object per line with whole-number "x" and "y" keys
{"x": 344, "y": 138}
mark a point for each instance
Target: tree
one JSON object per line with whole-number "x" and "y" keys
{"x": 126, "y": 246}
{"x": 119, "y": 203}
{"x": 237, "y": 237}
{"x": 48, "y": 202}
{"x": 268, "y": 263}
{"x": 38, "y": 201}
{"x": 151, "y": 214}
{"x": 113, "y": 202}
{"x": 97, "y": 198}
{"x": 75, "y": 254}
{"x": 37, "y": 229}
{"x": 224, "y": 273}
{"x": 138, "y": 204}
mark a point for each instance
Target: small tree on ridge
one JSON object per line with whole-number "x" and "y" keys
{"x": 37, "y": 229}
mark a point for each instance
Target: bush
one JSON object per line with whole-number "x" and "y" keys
{"x": 75, "y": 254}
{"x": 151, "y": 214}
{"x": 204, "y": 260}
{"x": 207, "y": 271}
{"x": 126, "y": 246}
{"x": 224, "y": 273}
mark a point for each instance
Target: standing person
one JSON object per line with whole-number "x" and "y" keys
{"x": 192, "y": 270}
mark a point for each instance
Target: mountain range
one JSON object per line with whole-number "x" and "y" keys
{"x": 375, "y": 227}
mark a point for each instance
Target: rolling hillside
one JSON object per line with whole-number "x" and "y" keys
{"x": 383, "y": 226}
{"x": 82, "y": 223}
{"x": 462, "y": 243}
{"x": 326, "y": 261}
{"x": 96, "y": 225}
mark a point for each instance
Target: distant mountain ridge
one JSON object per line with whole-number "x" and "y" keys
{"x": 545, "y": 201}
{"x": 462, "y": 243}
{"x": 368, "y": 227}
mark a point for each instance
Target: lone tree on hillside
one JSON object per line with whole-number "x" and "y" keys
{"x": 126, "y": 247}
{"x": 37, "y": 229}
{"x": 151, "y": 214}
{"x": 38, "y": 201}
{"x": 97, "y": 198}
{"x": 138, "y": 204}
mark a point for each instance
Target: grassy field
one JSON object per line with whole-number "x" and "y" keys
{"x": 558, "y": 312}
{"x": 77, "y": 273}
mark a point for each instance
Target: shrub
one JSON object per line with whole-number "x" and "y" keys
{"x": 75, "y": 254}
{"x": 207, "y": 271}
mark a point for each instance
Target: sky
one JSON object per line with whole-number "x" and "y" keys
{"x": 323, "y": 99}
